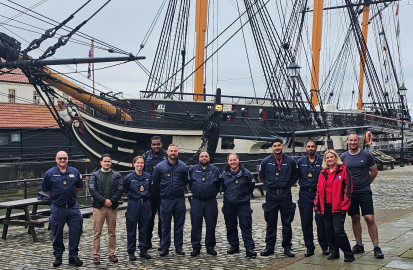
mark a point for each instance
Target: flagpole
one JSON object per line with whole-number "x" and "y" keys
{"x": 93, "y": 67}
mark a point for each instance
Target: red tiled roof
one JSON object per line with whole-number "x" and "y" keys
{"x": 14, "y": 115}
{"x": 16, "y": 75}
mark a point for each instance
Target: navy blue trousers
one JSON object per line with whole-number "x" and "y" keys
{"x": 155, "y": 200}
{"x": 306, "y": 206}
{"x": 284, "y": 204}
{"x": 175, "y": 208}
{"x": 244, "y": 214}
{"x": 200, "y": 210}
{"x": 137, "y": 214}
{"x": 74, "y": 219}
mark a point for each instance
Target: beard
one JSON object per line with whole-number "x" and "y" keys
{"x": 206, "y": 163}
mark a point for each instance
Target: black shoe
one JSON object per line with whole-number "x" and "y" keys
{"x": 179, "y": 251}
{"x": 132, "y": 257}
{"x": 349, "y": 259}
{"x": 195, "y": 252}
{"x": 159, "y": 248}
{"x": 250, "y": 253}
{"x": 267, "y": 252}
{"x": 377, "y": 253}
{"x": 326, "y": 251}
{"x": 75, "y": 261}
{"x": 144, "y": 254}
{"x": 149, "y": 246}
{"x": 358, "y": 249}
{"x": 57, "y": 262}
{"x": 164, "y": 252}
{"x": 211, "y": 251}
{"x": 233, "y": 250}
{"x": 333, "y": 257}
{"x": 289, "y": 252}
{"x": 309, "y": 252}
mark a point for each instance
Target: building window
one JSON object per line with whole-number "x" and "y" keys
{"x": 12, "y": 95}
{"x": 36, "y": 98}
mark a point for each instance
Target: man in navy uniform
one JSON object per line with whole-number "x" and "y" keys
{"x": 205, "y": 184}
{"x": 170, "y": 177}
{"x": 309, "y": 168}
{"x": 152, "y": 158}
{"x": 278, "y": 172}
{"x": 62, "y": 183}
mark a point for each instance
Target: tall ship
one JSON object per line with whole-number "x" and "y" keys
{"x": 312, "y": 73}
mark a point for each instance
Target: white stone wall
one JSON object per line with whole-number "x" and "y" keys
{"x": 24, "y": 93}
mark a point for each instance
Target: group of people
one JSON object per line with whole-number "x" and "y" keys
{"x": 329, "y": 186}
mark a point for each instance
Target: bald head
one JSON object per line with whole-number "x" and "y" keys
{"x": 61, "y": 160}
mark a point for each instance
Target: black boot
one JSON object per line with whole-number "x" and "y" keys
{"x": 267, "y": 252}
{"x": 233, "y": 250}
{"x": 211, "y": 251}
{"x": 57, "y": 262}
{"x": 250, "y": 253}
{"x": 164, "y": 252}
{"x": 309, "y": 252}
{"x": 75, "y": 261}
{"x": 132, "y": 257}
{"x": 195, "y": 252}
{"x": 144, "y": 254}
{"x": 289, "y": 252}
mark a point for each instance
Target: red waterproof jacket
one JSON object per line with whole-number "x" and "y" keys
{"x": 342, "y": 187}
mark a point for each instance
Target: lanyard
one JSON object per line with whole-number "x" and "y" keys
{"x": 279, "y": 163}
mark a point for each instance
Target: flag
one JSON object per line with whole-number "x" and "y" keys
{"x": 397, "y": 9}
{"x": 89, "y": 73}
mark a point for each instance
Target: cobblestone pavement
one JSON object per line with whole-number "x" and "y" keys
{"x": 392, "y": 190}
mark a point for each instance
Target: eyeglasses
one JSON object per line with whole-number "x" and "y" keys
{"x": 62, "y": 158}
{"x": 156, "y": 144}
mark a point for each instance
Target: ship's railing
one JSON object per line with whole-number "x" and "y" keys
{"x": 145, "y": 118}
{"x": 211, "y": 97}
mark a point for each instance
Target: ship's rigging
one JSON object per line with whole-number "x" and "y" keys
{"x": 279, "y": 31}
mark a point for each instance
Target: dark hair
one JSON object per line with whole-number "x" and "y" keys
{"x": 277, "y": 140}
{"x": 105, "y": 155}
{"x": 156, "y": 138}
{"x": 353, "y": 133}
{"x": 310, "y": 140}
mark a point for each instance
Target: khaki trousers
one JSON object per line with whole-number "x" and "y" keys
{"x": 99, "y": 217}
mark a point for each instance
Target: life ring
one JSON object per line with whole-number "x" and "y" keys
{"x": 369, "y": 138}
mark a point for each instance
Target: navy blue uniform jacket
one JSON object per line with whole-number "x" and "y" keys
{"x": 170, "y": 179}
{"x": 204, "y": 184}
{"x": 238, "y": 185}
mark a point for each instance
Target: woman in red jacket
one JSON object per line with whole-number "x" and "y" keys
{"x": 334, "y": 190}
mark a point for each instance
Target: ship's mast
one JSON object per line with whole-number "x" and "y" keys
{"x": 365, "y": 26}
{"x": 200, "y": 29}
{"x": 316, "y": 47}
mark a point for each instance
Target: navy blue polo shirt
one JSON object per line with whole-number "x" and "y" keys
{"x": 62, "y": 186}
{"x": 151, "y": 160}
{"x": 137, "y": 186}
{"x": 278, "y": 175}
{"x": 204, "y": 183}
{"x": 309, "y": 171}
{"x": 359, "y": 165}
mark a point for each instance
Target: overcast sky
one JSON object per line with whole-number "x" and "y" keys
{"x": 124, "y": 24}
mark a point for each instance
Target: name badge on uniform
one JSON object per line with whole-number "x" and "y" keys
{"x": 142, "y": 188}
{"x": 71, "y": 175}
{"x": 203, "y": 179}
{"x": 310, "y": 174}
{"x": 236, "y": 181}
